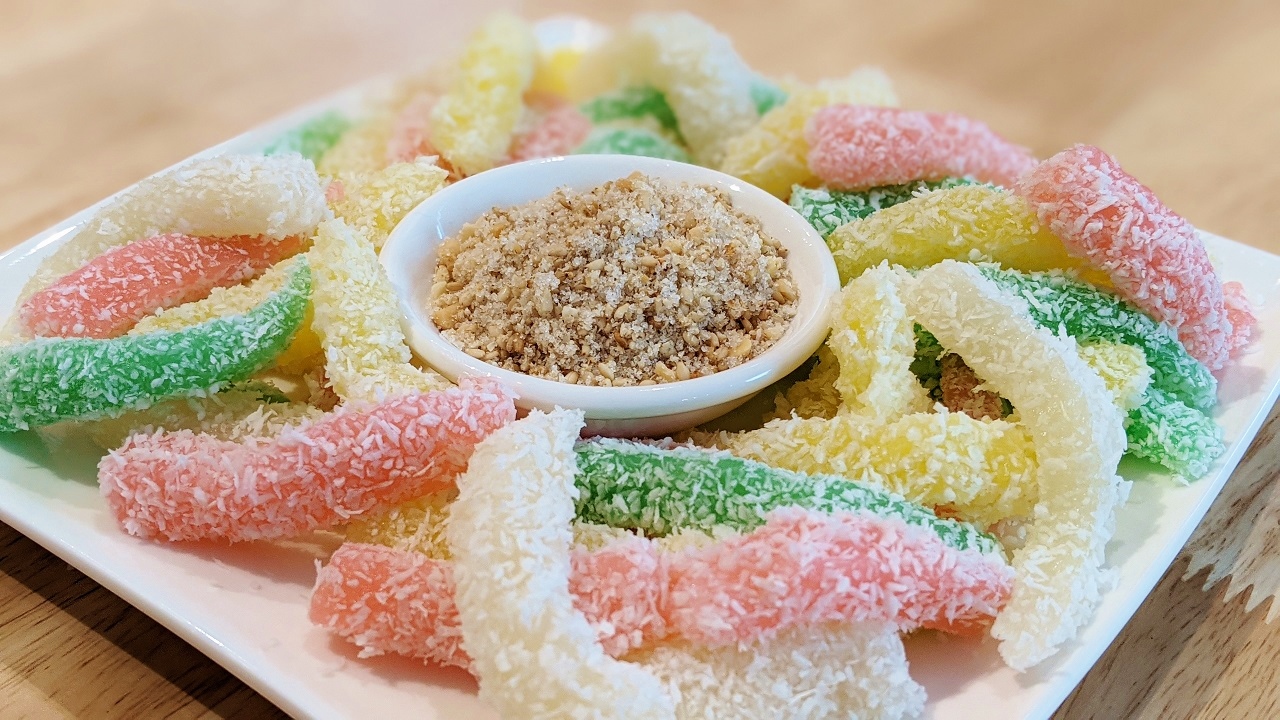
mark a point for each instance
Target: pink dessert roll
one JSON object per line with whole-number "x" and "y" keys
{"x": 390, "y": 601}
{"x": 410, "y": 133}
{"x": 853, "y": 147}
{"x": 1153, "y": 255}
{"x": 110, "y": 294}
{"x": 559, "y": 129}
{"x": 803, "y": 567}
{"x": 184, "y": 486}
{"x": 1240, "y": 315}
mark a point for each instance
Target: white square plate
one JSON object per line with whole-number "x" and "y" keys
{"x": 246, "y": 606}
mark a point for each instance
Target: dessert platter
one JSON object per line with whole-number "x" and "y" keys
{"x": 593, "y": 373}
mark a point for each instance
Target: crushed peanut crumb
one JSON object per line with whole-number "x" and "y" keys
{"x": 633, "y": 282}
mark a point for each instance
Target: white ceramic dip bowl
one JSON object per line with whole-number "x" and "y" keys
{"x": 409, "y": 257}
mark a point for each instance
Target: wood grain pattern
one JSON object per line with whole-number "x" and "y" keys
{"x": 100, "y": 94}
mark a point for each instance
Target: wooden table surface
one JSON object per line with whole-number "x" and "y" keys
{"x": 95, "y": 95}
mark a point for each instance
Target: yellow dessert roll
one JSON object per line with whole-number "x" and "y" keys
{"x": 873, "y": 342}
{"x": 413, "y": 526}
{"x": 555, "y": 72}
{"x": 358, "y": 321}
{"x": 816, "y": 395}
{"x": 234, "y": 414}
{"x": 362, "y": 148}
{"x": 1078, "y": 438}
{"x": 472, "y": 124}
{"x": 773, "y": 154}
{"x": 981, "y": 470}
{"x": 968, "y": 222}
{"x": 1123, "y": 369}
{"x": 374, "y": 203}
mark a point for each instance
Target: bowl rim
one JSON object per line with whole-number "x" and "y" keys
{"x": 805, "y": 333}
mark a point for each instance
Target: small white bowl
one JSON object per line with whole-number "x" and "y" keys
{"x": 409, "y": 257}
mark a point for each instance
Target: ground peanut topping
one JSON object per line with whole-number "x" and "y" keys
{"x": 630, "y": 283}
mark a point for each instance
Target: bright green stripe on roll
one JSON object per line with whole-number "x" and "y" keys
{"x": 827, "y": 210}
{"x": 641, "y": 487}
{"x": 312, "y": 138}
{"x": 50, "y": 379}
{"x": 1087, "y": 313}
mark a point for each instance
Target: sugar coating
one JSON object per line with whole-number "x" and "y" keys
{"x": 638, "y": 486}
{"x": 225, "y": 196}
{"x": 640, "y": 103}
{"x": 961, "y": 223}
{"x": 860, "y": 146}
{"x": 1060, "y": 303}
{"x": 374, "y": 203}
{"x": 773, "y": 153}
{"x": 631, "y": 141}
{"x": 46, "y": 380}
{"x": 799, "y": 568}
{"x": 237, "y": 299}
{"x": 243, "y": 410}
{"x": 1152, "y": 254}
{"x": 109, "y": 294}
{"x": 184, "y": 486}
{"x": 837, "y": 670}
{"x": 982, "y": 471}
{"x": 827, "y": 209}
{"x": 534, "y": 654}
{"x": 557, "y": 129}
{"x": 473, "y": 122}
{"x": 705, "y": 82}
{"x": 358, "y": 321}
{"x": 1078, "y": 435}
{"x": 1166, "y": 431}
{"x": 874, "y": 345}
{"x": 313, "y": 138}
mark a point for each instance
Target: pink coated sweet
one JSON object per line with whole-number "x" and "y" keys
{"x": 559, "y": 129}
{"x": 185, "y": 486}
{"x": 110, "y": 294}
{"x": 802, "y": 567}
{"x": 1153, "y": 255}
{"x": 1240, "y": 315}
{"x": 860, "y": 146}
{"x": 410, "y": 133}
{"x": 336, "y": 192}
{"x": 418, "y": 620}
